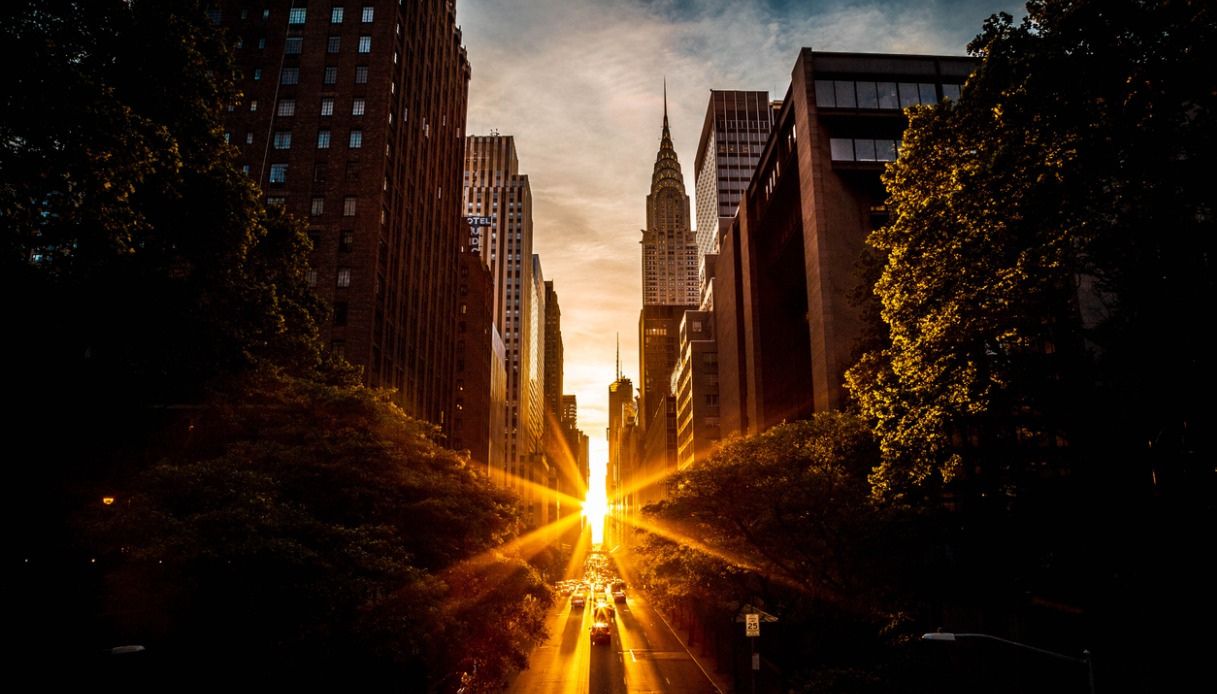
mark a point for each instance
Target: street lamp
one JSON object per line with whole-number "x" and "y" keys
{"x": 1085, "y": 659}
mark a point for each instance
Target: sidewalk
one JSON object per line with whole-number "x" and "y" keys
{"x": 704, "y": 660}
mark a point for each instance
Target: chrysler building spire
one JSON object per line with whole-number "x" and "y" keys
{"x": 669, "y": 249}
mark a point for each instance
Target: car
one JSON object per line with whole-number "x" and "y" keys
{"x": 578, "y": 599}
{"x": 604, "y": 606}
{"x": 601, "y": 629}
{"x": 619, "y": 591}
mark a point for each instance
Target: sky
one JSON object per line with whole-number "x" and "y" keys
{"x": 579, "y": 84}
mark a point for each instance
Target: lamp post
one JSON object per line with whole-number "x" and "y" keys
{"x": 1084, "y": 660}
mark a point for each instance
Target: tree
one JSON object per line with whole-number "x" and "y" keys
{"x": 139, "y": 262}
{"x": 1048, "y": 267}
{"x": 784, "y": 520}
{"x": 1049, "y": 250}
{"x": 318, "y": 534}
{"x": 143, "y": 262}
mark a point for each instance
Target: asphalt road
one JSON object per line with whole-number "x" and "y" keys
{"x": 644, "y": 656}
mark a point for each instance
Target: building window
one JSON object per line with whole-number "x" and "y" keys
{"x": 333, "y": 44}
{"x": 365, "y": 44}
{"x": 368, "y": 13}
{"x": 278, "y": 173}
{"x": 310, "y": 277}
{"x": 323, "y": 139}
{"x": 275, "y": 201}
{"x": 356, "y": 139}
{"x": 346, "y": 241}
{"x": 261, "y": 42}
{"x": 329, "y": 75}
{"x": 348, "y": 206}
{"x": 842, "y": 148}
{"x": 227, "y": 137}
{"x": 257, "y": 74}
{"x": 357, "y": 107}
{"x": 283, "y": 139}
{"x": 344, "y": 277}
{"x": 287, "y": 107}
{"x": 249, "y": 138}
{"x": 888, "y": 96}
{"x": 336, "y": 15}
{"x": 320, "y": 171}
{"x": 253, "y": 105}
{"x": 245, "y": 169}
{"x": 864, "y": 150}
{"x": 950, "y": 91}
{"x": 361, "y": 74}
{"x": 908, "y": 95}
{"x": 318, "y": 207}
{"x": 290, "y": 75}
{"x": 928, "y": 94}
{"x": 293, "y": 45}
{"x": 844, "y": 91}
{"x": 296, "y": 15}
{"x": 868, "y": 97}
{"x": 327, "y": 106}
{"x": 340, "y": 313}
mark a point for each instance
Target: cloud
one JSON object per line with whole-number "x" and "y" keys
{"x": 579, "y": 83}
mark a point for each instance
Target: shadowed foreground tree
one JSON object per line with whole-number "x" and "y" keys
{"x": 784, "y": 521}
{"x": 1048, "y": 270}
{"x": 1050, "y": 253}
{"x": 273, "y": 522}
{"x": 311, "y": 533}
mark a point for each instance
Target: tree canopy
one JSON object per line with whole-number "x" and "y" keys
{"x": 318, "y": 532}
{"x": 1051, "y": 246}
{"x": 270, "y": 519}
{"x": 784, "y": 521}
{"x": 144, "y": 259}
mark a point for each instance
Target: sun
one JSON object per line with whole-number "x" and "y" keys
{"x": 595, "y": 506}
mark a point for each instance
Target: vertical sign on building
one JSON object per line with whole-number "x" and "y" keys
{"x": 476, "y": 224}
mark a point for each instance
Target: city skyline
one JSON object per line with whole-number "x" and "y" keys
{"x": 591, "y": 76}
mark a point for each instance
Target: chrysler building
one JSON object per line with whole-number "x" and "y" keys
{"x": 669, "y": 248}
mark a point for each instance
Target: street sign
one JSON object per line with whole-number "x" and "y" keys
{"x": 752, "y": 625}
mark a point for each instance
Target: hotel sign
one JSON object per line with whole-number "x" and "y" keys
{"x": 475, "y": 231}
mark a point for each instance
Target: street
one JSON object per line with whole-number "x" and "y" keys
{"x": 644, "y": 655}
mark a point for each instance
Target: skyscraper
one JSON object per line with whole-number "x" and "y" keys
{"x": 553, "y": 352}
{"x": 481, "y": 373}
{"x": 669, "y": 273}
{"x": 354, "y": 121}
{"x": 732, "y": 137}
{"x": 495, "y": 188}
{"x": 669, "y": 249}
{"x": 787, "y": 321}
{"x": 696, "y": 391}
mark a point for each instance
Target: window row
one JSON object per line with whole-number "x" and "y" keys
{"x": 329, "y": 75}
{"x": 294, "y": 45}
{"x": 879, "y": 95}
{"x": 299, "y": 15}
{"x": 349, "y": 206}
{"x": 343, "y": 280}
{"x": 287, "y": 107}
{"x": 847, "y": 149}
{"x": 282, "y": 139}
